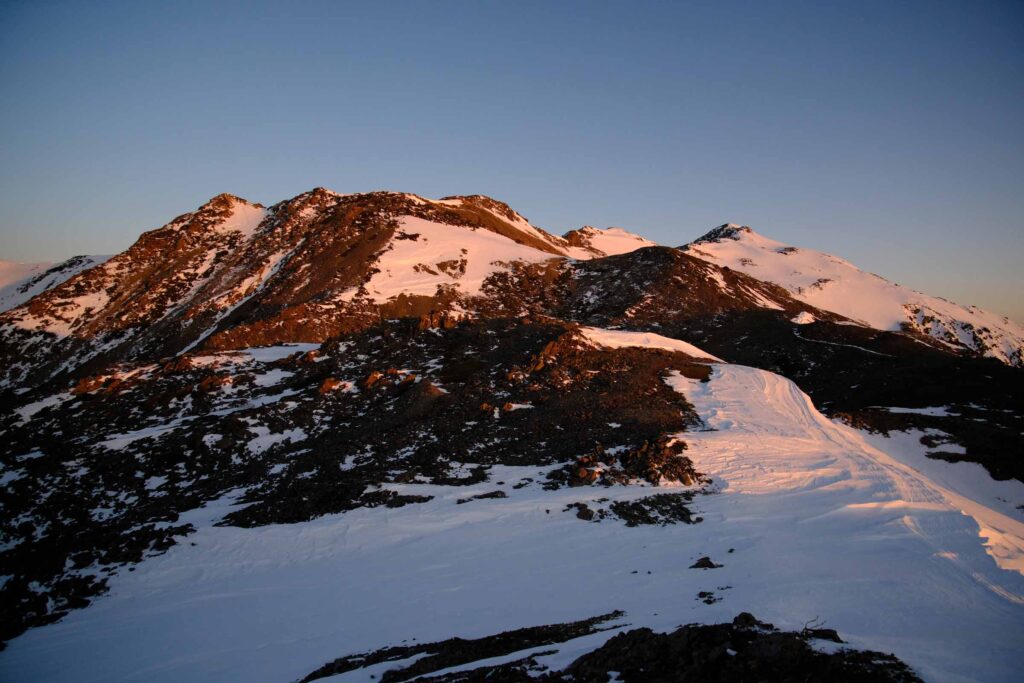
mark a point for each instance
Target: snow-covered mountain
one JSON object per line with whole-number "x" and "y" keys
{"x": 12, "y": 273}
{"x": 832, "y": 284}
{"x": 382, "y": 437}
{"x": 19, "y": 282}
{"x": 588, "y": 241}
{"x": 234, "y": 272}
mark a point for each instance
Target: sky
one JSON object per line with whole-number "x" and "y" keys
{"x": 888, "y": 133}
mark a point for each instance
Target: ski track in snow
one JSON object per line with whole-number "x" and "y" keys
{"x": 822, "y": 523}
{"x": 849, "y": 346}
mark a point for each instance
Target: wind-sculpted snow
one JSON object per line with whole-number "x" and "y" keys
{"x": 832, "y": 284}
{"x": 869, "y": 529}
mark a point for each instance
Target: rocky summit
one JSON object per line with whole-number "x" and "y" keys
{"x": 384, "y": 437}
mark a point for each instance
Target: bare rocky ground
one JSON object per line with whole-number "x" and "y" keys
{"x": 741, "y": 651}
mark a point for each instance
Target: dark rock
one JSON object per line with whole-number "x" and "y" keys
{"x": 705, "y": 563}
{"x": 482, "y": 496}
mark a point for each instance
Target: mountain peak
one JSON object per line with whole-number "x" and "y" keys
{"x": 730, "y": 231}
{"x": 223, "y": 213}
{"x": 489, "y": 203}
{"x": 832, "y": 284}
{"x": 319, "y": 193}
{"x": 225, "y": 201}
{"x": 605, "y": 241}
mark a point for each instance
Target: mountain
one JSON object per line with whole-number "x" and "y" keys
{"x": 590, "y": 241}
{"x": 19, "y": 282}
{"x": 380, "y": 436}
{"x": 234, "y": 273}
{"x": 12, "y": 273}
{"x": 832, "y": 284}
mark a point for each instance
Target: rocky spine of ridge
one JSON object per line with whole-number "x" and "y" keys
{"x": 726, "y": 231}
{"x": 316, "y": 266}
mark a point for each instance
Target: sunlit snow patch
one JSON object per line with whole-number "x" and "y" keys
{"x": 803, "y": 318}
{"x": 617, "y": 339}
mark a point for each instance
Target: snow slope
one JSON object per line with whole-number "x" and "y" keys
{"x": 245, "y": 218}
{"x": 593, "y": 242}
{"x": 811, "y": 520}
{"x": 832, "y": 284}
{"x": 19, "y": 282}
{"x": 968, "y": 480}
{"x": 11, "y": 272}
{"x": 784, "y": 426}
{"x": 442, "y": 256}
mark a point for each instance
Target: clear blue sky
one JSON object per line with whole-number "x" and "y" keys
{"x": 889, "y": 133}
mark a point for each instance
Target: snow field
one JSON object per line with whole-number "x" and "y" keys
{"x": 811, "y": 519}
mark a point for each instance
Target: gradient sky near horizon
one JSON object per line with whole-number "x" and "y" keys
{"x": 888, "y": 133}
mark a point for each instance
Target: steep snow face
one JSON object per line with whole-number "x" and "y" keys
{"x": 19, "y": 282}
{"x": 590, "y": 242}
{"x": 501, "y": 218}
{"x": 505, "y": 213}
{"x": 245, "y": 218}
{"x": 429, "y": 257}
{"x": 587, "y": 242}
{"x": 832, "y": 284}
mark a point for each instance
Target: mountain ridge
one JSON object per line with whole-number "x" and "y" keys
{"x": 391, "y": 374}
{"x": 19, "y": 282}
{"x": 832, "y": 283}
{"x": 218, "y": 217}
{"x": 966, "y": 329}
{"x": 203, "y": 278}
